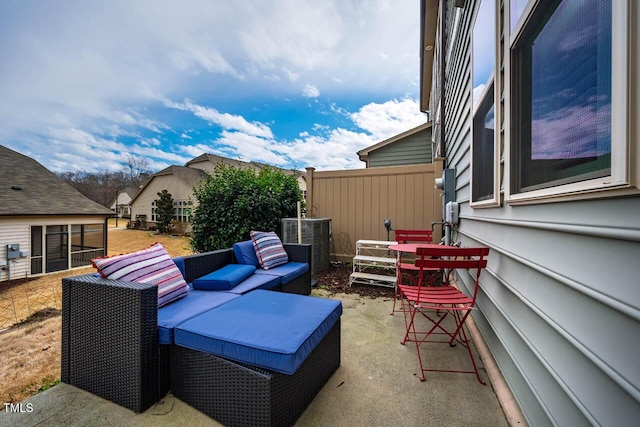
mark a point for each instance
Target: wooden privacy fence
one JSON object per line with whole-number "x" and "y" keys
{"x": 358, "y": 201}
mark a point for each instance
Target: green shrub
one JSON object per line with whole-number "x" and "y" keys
{"x": 164, "y": 211}
{"x": 233, "y": 201}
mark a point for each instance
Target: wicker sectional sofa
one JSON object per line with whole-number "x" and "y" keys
{"x": 117, "y": 344}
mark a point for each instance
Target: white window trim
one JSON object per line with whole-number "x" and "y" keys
{"x": 493, "y": 201}
{"x": 619, "y": 182}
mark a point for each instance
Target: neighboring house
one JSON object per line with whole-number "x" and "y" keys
{"x": 121, "y": 205}
{"x": 180, "y": 181}
{"x": 45, "y": 224}
{"x": 408, "y": 148}
{"x": 538, "y": 118}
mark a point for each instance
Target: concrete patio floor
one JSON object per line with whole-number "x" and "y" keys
{"x": 377, "y": 384}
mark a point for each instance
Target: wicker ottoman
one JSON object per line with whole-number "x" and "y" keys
{"x": 215, "y": 380}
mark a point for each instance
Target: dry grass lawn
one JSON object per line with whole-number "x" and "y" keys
{"x": 30, "y": 352}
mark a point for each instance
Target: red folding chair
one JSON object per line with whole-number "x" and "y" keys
{"x": 408, "y": 270}
{"x": 413, "y": 236}
{"x": 437, "y": 303}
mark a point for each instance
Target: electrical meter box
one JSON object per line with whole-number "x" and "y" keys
{"x": 13, "y": 250}
{"x": 451, "y": 213}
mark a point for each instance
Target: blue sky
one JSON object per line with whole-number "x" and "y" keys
{"x": 291, "y": 83}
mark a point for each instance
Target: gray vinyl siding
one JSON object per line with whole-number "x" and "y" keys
{"x": 559, "y": 305}
{"x": 414, "y": 149}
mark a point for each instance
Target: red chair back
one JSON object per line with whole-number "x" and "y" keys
{"x": 413, "y": 236}
{"x": 451, "y": 258}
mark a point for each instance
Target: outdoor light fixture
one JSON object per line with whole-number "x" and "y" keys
{"x": 387, "y": 225}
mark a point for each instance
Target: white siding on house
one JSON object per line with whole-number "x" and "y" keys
{"x": 559, "y": 304}
{"x": 123, "y": 200}
{"x": 178, "y": 189}
{"x": 14, "y": 233}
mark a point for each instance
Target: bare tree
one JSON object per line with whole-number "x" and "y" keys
{"x": 102, "y": 186}
{"x": 137, "y": 170}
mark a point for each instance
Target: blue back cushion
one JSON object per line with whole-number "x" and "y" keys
{"x": 272, "y": 330}
{"x": 179, "y": 261}
{"x": 225, "y": 278}
{"x": 245, "y": 253}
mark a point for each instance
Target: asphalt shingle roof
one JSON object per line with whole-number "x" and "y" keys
{"x": 28, "y": 188}
{"x": 191, "y": 176}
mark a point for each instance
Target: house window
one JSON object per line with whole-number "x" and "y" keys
{"x": 154, "y": 213}
{"x": 87, "y": 242}
{"x": 182, "y": 210}
{"x": 56, "y": 248}
{"x": 564, "y": 99}
{"x": 484, "y": 161}
{"x": 36, "y": 250}
{"x": 484, "y": 149}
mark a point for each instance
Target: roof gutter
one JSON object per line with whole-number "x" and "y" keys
{"x": 443, "y": 49}
{"x": 429, "y": 11}
{"x": 428, "y": 22}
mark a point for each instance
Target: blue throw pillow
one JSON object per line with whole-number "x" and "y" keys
{"x": 269, "y": 249}
{"x": 225, "y": 278}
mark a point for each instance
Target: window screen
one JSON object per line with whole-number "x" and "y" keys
{"x": 562, "y": 94}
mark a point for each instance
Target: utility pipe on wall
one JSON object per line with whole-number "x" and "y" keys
{"x": 299, "y": 224}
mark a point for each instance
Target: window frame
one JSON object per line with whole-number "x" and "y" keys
{"x": 618, "y": 181}
{"x": 494, "y": 199}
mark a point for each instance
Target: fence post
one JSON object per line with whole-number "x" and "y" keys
{"x": 310, "y": 192}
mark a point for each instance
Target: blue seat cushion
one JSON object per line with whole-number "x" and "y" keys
{"x": 271, "y": 330}
{"x": 193, "y": 304}
{"x": 224, "y": 278}
{"x": 245, "y": 253}
{"x": 286, "y": 272}
{"x": 256, "y": 281}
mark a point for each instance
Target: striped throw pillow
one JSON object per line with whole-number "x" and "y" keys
{"x": 269, "y": 249}
{"x": 152, "y": 265}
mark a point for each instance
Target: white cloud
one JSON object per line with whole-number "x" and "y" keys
{"x": 89, "y": 82}
{"x": 224, "y": 120}
{"x": 150, "y": 142}
{"x": 249, "y": 147}
{"x": 310, "y": 91}
{"x": 390, "y": 118}
{"x": 291, "y": 76}
{"x": 328, "y": 148}
{"x": 334, "y": 151}
{"x": 208, "y": 59}
{"x": 302, "y": 34}
{"x": 195, "y": 150}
